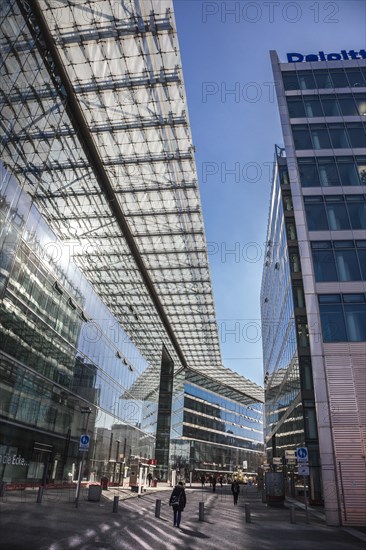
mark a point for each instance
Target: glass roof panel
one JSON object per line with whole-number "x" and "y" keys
{"x": 97, "y": 131}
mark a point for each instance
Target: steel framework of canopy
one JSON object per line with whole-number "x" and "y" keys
{"x": 95, "y": 127}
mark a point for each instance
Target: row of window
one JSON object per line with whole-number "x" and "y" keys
{"x": 339, "y": 260}
{"x": 326, "y": 105}
{"x": 343, "y": 317}
{"x": 332, "y": 171}
{"x": 323, "y": 79}
{"x": 328, "y": 136}
{"x": 335, "y": 212}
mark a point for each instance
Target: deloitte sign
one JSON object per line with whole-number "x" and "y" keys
{"x": 321, "y": 56}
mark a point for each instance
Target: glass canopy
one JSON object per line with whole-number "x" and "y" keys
{"x": 94, "y": 126}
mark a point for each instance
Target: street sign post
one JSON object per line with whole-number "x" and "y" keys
{"x": 84, "y": 443}
{"x": 303, "y": 470}
{"x": 302, "y": 454}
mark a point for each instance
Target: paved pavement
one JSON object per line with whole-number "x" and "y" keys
{"x": 57, "y": 525}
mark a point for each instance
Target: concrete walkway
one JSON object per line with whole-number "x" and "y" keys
{"x": 57, "y": 525}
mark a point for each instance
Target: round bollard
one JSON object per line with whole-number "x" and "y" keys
{"x": 201, "y": 511}
{"x": 115, "y": 504}
{"x": 247, "y": 513}
{"x": 157, "y": 508}
{"x": 2, "y": 488}
{"x": 40, "y": 495}
{"x": 292, "y": 514}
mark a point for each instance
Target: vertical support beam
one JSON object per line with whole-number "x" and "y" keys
{"x": 164, "y": 414}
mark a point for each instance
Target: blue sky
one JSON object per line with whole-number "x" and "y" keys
{"x": 223, "y": 51}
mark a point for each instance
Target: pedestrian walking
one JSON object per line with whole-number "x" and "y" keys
{"x": 178, "y": 502}
{"x": 235, "y": 489}
{"x": 149, "y": 478}
{"x": 214, "y": 480}
{"x": 203, "y": 479}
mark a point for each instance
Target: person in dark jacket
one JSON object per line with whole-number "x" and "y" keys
{"x": 178, "y": 502}
{"x": 235, "y": 489}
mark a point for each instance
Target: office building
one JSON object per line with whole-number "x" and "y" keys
{"x": 313, "y": 297}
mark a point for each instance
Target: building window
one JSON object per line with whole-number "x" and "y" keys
{"x": 328, "y": 174}
{"x": 337, "y": 213}
{"x": 343, "y": 317}
{"x": 325, "y": 136}
{"x": 325, "y": 79}
{"x": 315, "y": 214}
{"x": 324, "y": 263}
{"x": 332, "y": 171}
{"x": 339, "y": 260}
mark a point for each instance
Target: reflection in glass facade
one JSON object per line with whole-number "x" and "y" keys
{"x": 289, "y": 397}
{"x": 215, "y": 427}
{"x": 321, "y": 208}
{"x": 61, "y": 353}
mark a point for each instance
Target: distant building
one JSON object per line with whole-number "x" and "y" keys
{"x": 217, "y": 424}
{"x": 313, "y": 299}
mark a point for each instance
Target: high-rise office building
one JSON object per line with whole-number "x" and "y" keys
{"x": 313, "y": 299}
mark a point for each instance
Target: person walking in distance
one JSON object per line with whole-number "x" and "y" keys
{"x": 214, "y": 480}
{"x": 235, "y": 489}
{"x": 203, "y": 479}
{"x": 149, "y": 478}
{"x": 178, "y": 502}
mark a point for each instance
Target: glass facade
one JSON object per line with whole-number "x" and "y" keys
{"x": 211, "y": 431}
{"x": 61, "y": 353}
{"x": 289, "y": 417}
